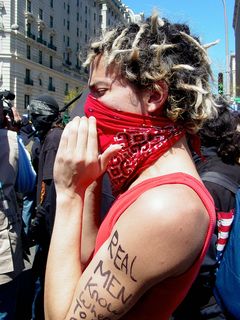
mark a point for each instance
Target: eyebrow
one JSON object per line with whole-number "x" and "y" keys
{"x": 98, "y": 83}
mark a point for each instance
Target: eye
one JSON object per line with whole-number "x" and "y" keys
{"x": 98, "y": 92}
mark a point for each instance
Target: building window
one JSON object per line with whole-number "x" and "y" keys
{"x": 40, "y": 57}
{"x": 26, "y": 101}
{"x": 68, "y": 41}
{"x": 40, "y": 82}
{"x": 51, "y": 62}
{"x": 29, "y": 6}
{"x": 86, "y": 24}
{"x": 40, "y": 35}
{"x": 29, "y": 31}
{"x": 68, "y": 59}
{"x": 68, "y": 8}
{"x": 40, "y": 14}
{"x": 51, "y": 3}
{"x": 28, "y": 52}
{"x": 50, "y": 84}
{"x": 51, "y": 45}
{"x": 77, "y": 16}
{"x": 51, "y": 22}
{"x": 77, "y": 32}
{"x": 68, "y": 25}
{"x": 28, "y": 79}
{"x": 66, "y": 89}
{"x": 29, "y": 27}
{"x": 85, "y": 9}
{"x": 77, "y": 3}
{"x": 86, "y": 38}
{"x": 28, "y": 73}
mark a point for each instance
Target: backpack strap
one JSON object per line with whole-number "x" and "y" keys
{"x": 220, "y": 179}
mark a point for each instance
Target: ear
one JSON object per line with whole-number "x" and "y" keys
{"x": 157, "y": 98}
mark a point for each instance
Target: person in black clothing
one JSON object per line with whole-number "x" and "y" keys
{"x": 45, "y": 116}
{"x": 221, "y": 148}
{"x": 220, "y": 142}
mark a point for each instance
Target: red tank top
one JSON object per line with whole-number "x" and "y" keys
{"x": 159, "y": 302}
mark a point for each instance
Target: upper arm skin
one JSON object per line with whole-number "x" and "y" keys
{"x": 154, "y": 239}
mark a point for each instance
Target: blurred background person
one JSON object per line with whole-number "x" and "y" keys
{"x": 16, "y": 175}
{"x": 45, "y": 117}
{"x": 220, "y": 149}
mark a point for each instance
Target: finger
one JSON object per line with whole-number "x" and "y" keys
{"x": 60, "y": 152}
{"x": 63, "y": 141}
{"x": 105, "y": 157}
{"x": 72, "y": 132}
{"x": 82, "y": 138}
{"x": 92, "y": 143}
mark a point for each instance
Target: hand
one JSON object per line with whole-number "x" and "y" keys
{"x": 78, "y": 162}
{"x": 16, "y": 115}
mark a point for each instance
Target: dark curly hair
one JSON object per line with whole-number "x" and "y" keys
{"x": 222, "y": 133}
{"x": 157, "y": 50}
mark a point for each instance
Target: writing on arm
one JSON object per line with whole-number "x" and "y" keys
{"x": 107, "y": 291}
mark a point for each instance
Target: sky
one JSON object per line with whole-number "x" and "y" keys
{"x": 205, "y": 18}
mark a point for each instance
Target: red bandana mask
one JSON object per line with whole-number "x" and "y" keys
{"x": 144, "y": 139}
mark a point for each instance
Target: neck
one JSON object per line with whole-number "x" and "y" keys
{"x": 177, "y": 159}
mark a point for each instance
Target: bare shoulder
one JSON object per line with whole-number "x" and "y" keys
{"x": 169, "y": 225}
{"x": 172, "y": 203}
{"x": 169, "y": 204}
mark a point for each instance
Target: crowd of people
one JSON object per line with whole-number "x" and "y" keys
{"x": 29, "y": 146}
{"x": 111, "y": 208}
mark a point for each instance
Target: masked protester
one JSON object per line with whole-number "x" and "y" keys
{"x": 149, "y": 89}
{"x": 43, "y": 112}
{"x": 44, "y": 115}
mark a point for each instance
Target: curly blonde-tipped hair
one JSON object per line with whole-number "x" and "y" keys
{"x": 156, "y": 50}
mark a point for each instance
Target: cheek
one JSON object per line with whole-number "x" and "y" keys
{"x": 112, "y": 101}
{"x": 122, "y": 100}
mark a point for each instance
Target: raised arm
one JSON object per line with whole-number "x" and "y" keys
{"x": 77, "y": 165}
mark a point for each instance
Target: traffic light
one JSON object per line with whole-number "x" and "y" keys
{"x": 220, "y": 83}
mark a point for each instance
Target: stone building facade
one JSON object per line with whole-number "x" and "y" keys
{"x": 42, "y": 42}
